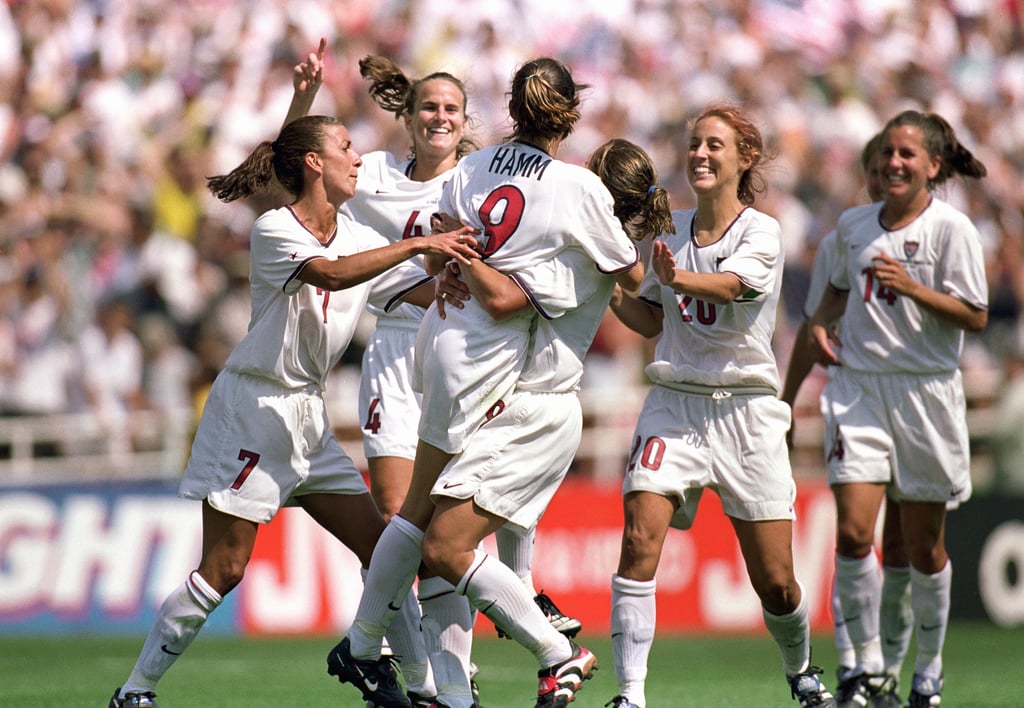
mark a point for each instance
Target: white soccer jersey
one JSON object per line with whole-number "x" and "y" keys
{"x": 941, "y": 248}
{"x": 297, "y": 332}
{"x": 820, "y": 270}
{"x": 720, "y": 345}
{"x": 529, "y": 208}
{"x": 395, "y": 206}
{"x": 555, "y": 361}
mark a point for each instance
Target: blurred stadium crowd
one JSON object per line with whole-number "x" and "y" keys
{"x": 123, "y": 282}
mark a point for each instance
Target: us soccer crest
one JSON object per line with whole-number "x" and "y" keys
{"x": 910, "y": 249}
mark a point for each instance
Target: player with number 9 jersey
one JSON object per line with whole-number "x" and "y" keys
{"x": 529, "y": 208}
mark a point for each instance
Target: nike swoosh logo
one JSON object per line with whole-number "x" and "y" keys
{"x": 929, "y": 628}
{"x": 449, "y": 485}
{"x": 393, "y": 609}
{"x": 165, "y": 650}
{"x": 846, "y": 620}
{"x": 371, "y": 684}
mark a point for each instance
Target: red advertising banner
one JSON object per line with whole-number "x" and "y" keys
{"x": 102, "y": 558}
{"x": 301, "y": 580}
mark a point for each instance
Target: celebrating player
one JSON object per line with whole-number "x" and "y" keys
{"x": 532, "y": 209}
{"x": 264, "y": 440}
{"x": 396, "y": 197}
{"x": 896, "y": 415}
{"x": 712, "y": 418}
{"x": 896, "y": 622}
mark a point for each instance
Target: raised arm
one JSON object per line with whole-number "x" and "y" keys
{"x": 307, "y": 77}
{"x": 719, "y": 288}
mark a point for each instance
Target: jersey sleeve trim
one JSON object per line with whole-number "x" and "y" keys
{"x": 288, "y": 288}
{"x": 396, "y": 300}
{"x": 625, "y": 268}
{"x": 530, "y": 296}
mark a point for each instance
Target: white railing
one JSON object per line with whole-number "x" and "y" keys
{"x": 74, "y": 448}
{"x": 65, "y": 448}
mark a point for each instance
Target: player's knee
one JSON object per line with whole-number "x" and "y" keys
{"x": 853, "y": 540}
{"x": 435, "y": 554}
{"x": 779, "y": 594}
{"x": 388, "y": 502}
{"x": 223, "y": 576}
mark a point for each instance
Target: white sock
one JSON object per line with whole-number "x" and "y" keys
{"x": 407, "y": 643}
{"x": 844, "y": 647}
{"x": 634, "y": 616}
{"x": 515, "y": 549}
{"x": 448, "y": 631}
{"x": 859, "y": 584}
{"x": 178, "y": 621}
{"x": 495, "y": 590}
{"x": 792, "y": 634}
{"x": 896, "y": 617}
{"x": 929, "y": 596}
{"x": 393, "y": 567}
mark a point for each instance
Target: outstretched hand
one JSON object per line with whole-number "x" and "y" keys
{"x": 307, "y": 76}
{"x": 663, "y": 262}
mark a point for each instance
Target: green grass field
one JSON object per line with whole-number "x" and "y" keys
{"x": 984, "y": 667}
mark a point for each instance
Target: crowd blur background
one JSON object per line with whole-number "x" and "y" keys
{"x": 123, "y": 282}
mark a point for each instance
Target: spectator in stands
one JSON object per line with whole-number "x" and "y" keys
{"x": 110, "y": 377}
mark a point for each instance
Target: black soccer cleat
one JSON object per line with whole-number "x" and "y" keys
{"x": 566, "y": 625}
{"x": 377, "y": 679}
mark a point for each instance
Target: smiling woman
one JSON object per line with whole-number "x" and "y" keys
{"x": 895, "y": 418}
{"x": 397, "y": 196}
{"x": 264, "y": 440}
{"x": 712, "y": 419}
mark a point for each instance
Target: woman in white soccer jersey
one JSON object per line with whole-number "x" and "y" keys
{"x": 396, "y": 197}
{"x": 895, "y": 620}
{"x": 909, "y": 281}
{"x": 531, "y": 208}
{"x": 264, "y": 440}
{"x": 518, "y": 460}
{"x": 712, "y": 418}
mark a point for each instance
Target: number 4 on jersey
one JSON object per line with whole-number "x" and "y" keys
{"x": 372, "y": 417}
